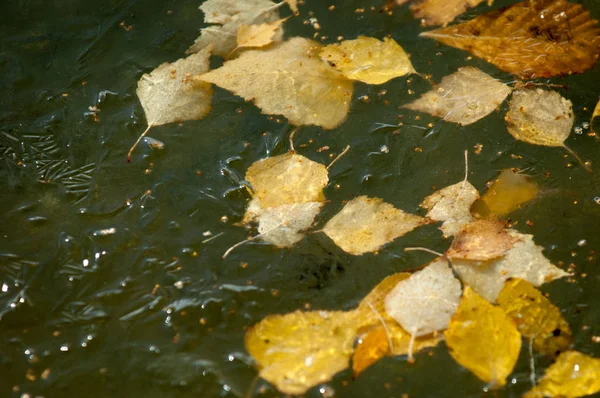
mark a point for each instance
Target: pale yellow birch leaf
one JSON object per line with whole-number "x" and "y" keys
{"x": 481, "y": 240}
{"x": 452, "y": 206}
{"x": 258, "y": 35}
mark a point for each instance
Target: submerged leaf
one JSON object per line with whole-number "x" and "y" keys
{"x": 451, "y": 205}
{"x": 572, "y": 375}
{"x": 287, "y": 179}
{"x": 525, "y": 261}
{"x": 536, "y": 317}
{"x": 463, "y": 97}
{"x": 507, "y": 193}
{"x": 531, "y": 39}
{"x": 290, "y": 80}
{"x": 228, "y": 16}
{"x": 258, "y": 35}
{"x": 481, "y": 240}
{"x": 539, "y": 117}
{"x": 483, "y": 339}
{"x": 299, "y": 350}
{"x": 424, "y": 303}
{"x": 283, "y": 225}
{"x": 168, "y": 95}
{"x": 441, "y": 12}
{"x": 366, "y": 224}
{"x": 368, "y": 60}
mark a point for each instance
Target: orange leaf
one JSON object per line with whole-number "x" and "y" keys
{"x": 373, "y": 347}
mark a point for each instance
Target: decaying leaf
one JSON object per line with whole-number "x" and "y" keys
{"x": 481, "y": 240}
{"x": 463, "y": 97}
{"x": 531, "y": 39}
{"x": 227, "y": 17}
{"x": 441, "y": 12}
{"x": 483, "y": 339}
{"x": 451, "y": 205}
{"x": 424, "y": 303}
{"x": 288, "y": 79}
{"x": 366, "y": 224}
{"x": 572, "y": 375}
{"x": 283, "y": 225}
{"x": 258, "y": 35}
{"x": 368, "y": 60}
{"x": 299, "y": 350}
{"x": 506, "y": 193}
{"x": 287, "y": 179}
{"x": 536, "y": 317}
{"x": 525, "y": 261}
{"x": 169, "y": 95}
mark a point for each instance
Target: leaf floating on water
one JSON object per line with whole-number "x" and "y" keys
{"x": 258, "y": 35}
{"x": 299, "y": 350}
{"x": 425, "y": 302}
{"x": 507, "y": 193}
{"x": 169, "y": 95}
{"x": 287, "y": 179}
{"x": 525, "y": 261}
{"x": 441, "y": 12}
{"x": 290, "y": 80}
{"x": 481, "y": 240}
{"x": 293, "y": 4}
{"x": 228, "y": 16}
{"x": 283, "y": 225}
{"x": 372, "y": 307}
{"x": 452, "y": 206}
{"x": 483, "y": 339}
{"x": 594, "y": 116}
{"x": 368, "y": 60}
{"x": 366, "y": 224}
{"x": 531, "y": 39}
{"x": 572, "y": 375}
{"x": 463, "y": 97}
{"x": 536, "y": 317}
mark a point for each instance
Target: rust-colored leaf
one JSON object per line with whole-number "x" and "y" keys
{"x": 481, "y": 240}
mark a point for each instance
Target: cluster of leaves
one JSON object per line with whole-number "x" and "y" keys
{"x": 480, "y": 295}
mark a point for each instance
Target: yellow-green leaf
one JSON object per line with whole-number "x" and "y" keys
{"x": 368, "y": 60}
{"x": 572, "y": 375}
{"x": 536, "y": 317}
{"x": 483, "y": 339}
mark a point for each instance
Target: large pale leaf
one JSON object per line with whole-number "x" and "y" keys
{"x": 283, "y": 225}
{"x": 227, "y": 17}
{"x": 366, "y": 224}
{"x": 288, "y": 79}
{"x": 368, "y": 60}
{"x": 424, "y": 303}
{"x": 536, "y": 317}
{"x": 372, "y": 307}
{"x": 287, "y": 179}
{"x": 532, "y": 39}
{"x": 452, "y": 206}
{"x": 481, "y": 240}
{"x": 572, "y": 375}
{"x": 525, "y": 261}
{"x": 168, "y": 94}
{"x": 505, "y": 194}
{"x": 463, "y": 97}
{"x": 483, "y": 339}
{"x": 299, "y": 350}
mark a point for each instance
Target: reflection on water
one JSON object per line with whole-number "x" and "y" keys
{"x": 109, "y": 281}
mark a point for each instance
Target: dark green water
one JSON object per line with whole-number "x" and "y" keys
{"x": 103, "y": 269}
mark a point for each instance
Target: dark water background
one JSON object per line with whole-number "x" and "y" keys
{"x": 104, "y": 273}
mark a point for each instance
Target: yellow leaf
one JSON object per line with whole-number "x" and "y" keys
{"x": 481, "y": 240}
{"x": 572, "y": 375}
{"x": 507, "y": 193}
{"x": 531, "y": 39}
{"x": 288, "y": 79}
{"x": 287, "y": 179}
{"x": 463, "y": 97}
{"x": 258, "y": 35}
{"x": 293, "y": 4}
{"x": 451, "y": 205}
{"x": 227, "y": 17}
{"x": 483, "y": 339}
{"x": 525, "y": 260}
{"x": 372, "y": 307}
{"x": 536, "y": 317}
{"x": 441, "y": 12}
{"x": 368, "y": 60}
{"x": 299, "y": 350}
{"x": 594, "y": 116}
{"x": 366, "y": 224}
{"x": 372, "y": 348}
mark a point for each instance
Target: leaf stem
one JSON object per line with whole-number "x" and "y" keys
{"x": 338, "y": 157}
{"x": 423, "y": 249}
{"x": 576, "y": 156}
{"x": 292, "y": 149}
{"x": 138, "y": 141}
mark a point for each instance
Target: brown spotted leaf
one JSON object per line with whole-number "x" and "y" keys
{"x": 481, "y": 240}
{"x": 531, "y": 39}
{"x": 441, "y": 12}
